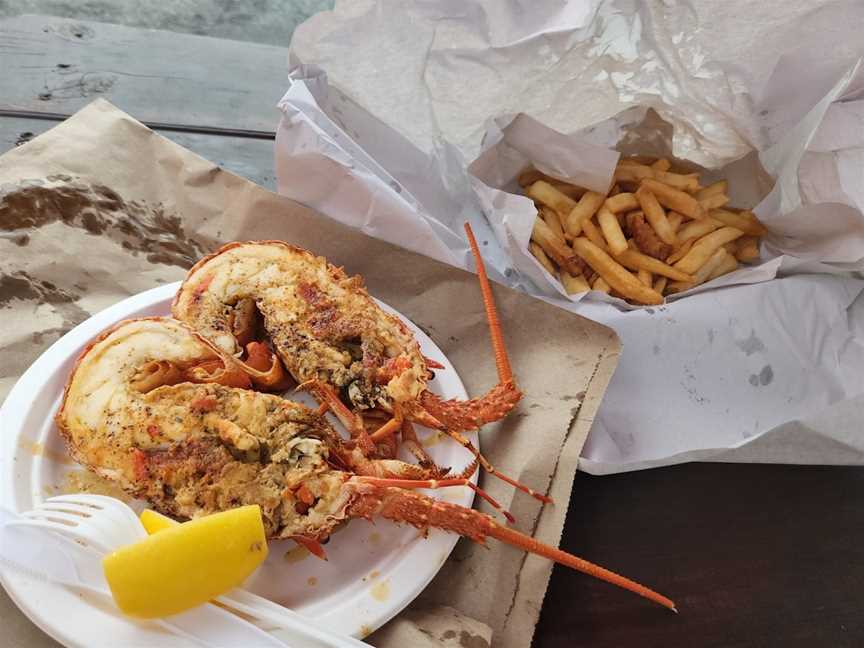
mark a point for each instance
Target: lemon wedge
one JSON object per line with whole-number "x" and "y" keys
{"x": 184, "y": 565}
{"x": 154, "y": 521}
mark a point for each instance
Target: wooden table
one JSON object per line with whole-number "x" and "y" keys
{"x": 754, "y": 555}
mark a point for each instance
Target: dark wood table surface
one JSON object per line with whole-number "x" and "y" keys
{"x": 754, "y": 555}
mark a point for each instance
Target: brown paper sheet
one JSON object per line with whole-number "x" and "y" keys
{"x": 106, "y": 208}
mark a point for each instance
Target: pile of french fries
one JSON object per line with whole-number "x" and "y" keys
{"x": 657, "y": 232}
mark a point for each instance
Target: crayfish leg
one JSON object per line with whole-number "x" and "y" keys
{"x": 313, "y": 546}
{"x": 438, "y": 483}
{"x": 412, "y": 443}
{"x": 492, "y": 470}
{"x": 326, "y": 395}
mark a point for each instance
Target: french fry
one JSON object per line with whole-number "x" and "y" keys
{"x": 544, "y": 260}
{"x": 713, "y": 262}
{"x": 729, "y": 264}
{"x": 615, "y": 239}
{"x": 529, "y": 176}
{"x": 703, "y": 274}
{"x": 746, "y": 221}
{"x": 622, "y": 202}
{"x": 553, "y": 221}
{"x": 590, "y": 230}
{"x": 630, "y": 172}
{"x": 601, "y": 285}
{"x": 655, "y": 215}
{"x": 688, "y": 182}
{"x": 720, "y": 187}
{"x": 614, "y": 273}
{"x": 568, "y": 189}
{"x": 698, "y": 228}
{"x": 675, "y": 199}
{"x": 747, "y": 249}
{"x": 705, "y": 247}
{"x": 645, "y": 277}
{"x": 678, "y": 286}
{"x": 546, "y": 194}
{"x": 683, "y": 249}
{"x": 574, "y": 284}
{"x": 554, "y": 247}
{"x": 635, "y": 260}
{"x": 641, "y": 160}
{"x": 582, "y": 211}
{"x": 662, "y": 206}
{"x": 712, "y": 202}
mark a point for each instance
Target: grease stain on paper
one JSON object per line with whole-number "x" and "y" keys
{"x": 750, "y": 345}
{"x": 138, "y": 227}
{"x": 468, "y": 640}
{"x": 20, "y": 286}
{"x": 763, "y": 378}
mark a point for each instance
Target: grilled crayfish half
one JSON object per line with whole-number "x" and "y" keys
{"x": 333, "y": 338}
{"x": 159, "y": 410}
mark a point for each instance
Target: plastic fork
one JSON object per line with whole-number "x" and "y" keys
{"x": 106, "y": 524}
{"x": 54, "y": 558}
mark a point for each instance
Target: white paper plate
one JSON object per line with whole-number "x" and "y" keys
{"x": 373, "y": 571}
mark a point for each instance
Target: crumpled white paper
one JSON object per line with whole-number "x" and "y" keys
{"x": 383, "y": 141}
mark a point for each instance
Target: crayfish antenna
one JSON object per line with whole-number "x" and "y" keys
{"x": 502, "y": 361}
{"x": 423, "y": 512}
{"x": 527, "y": 543}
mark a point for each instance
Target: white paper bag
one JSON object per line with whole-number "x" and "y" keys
{"x": 395, "y": 123}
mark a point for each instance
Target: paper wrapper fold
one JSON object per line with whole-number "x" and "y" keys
{"x": 738, "y": 90}
{"x": 124, "y": 209}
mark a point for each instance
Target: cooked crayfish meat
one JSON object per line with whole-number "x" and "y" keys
{"x": 136, "y": 412}
{"x": 334, "y": 339}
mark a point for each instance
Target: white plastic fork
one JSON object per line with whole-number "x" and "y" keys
{"x": 106, "y": 524}
{"x": 55, "y": 558}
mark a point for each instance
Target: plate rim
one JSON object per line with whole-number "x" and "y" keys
{"x": 65, "y": 348}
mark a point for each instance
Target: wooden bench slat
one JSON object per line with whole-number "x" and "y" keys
{"x": 59, "y": 65}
